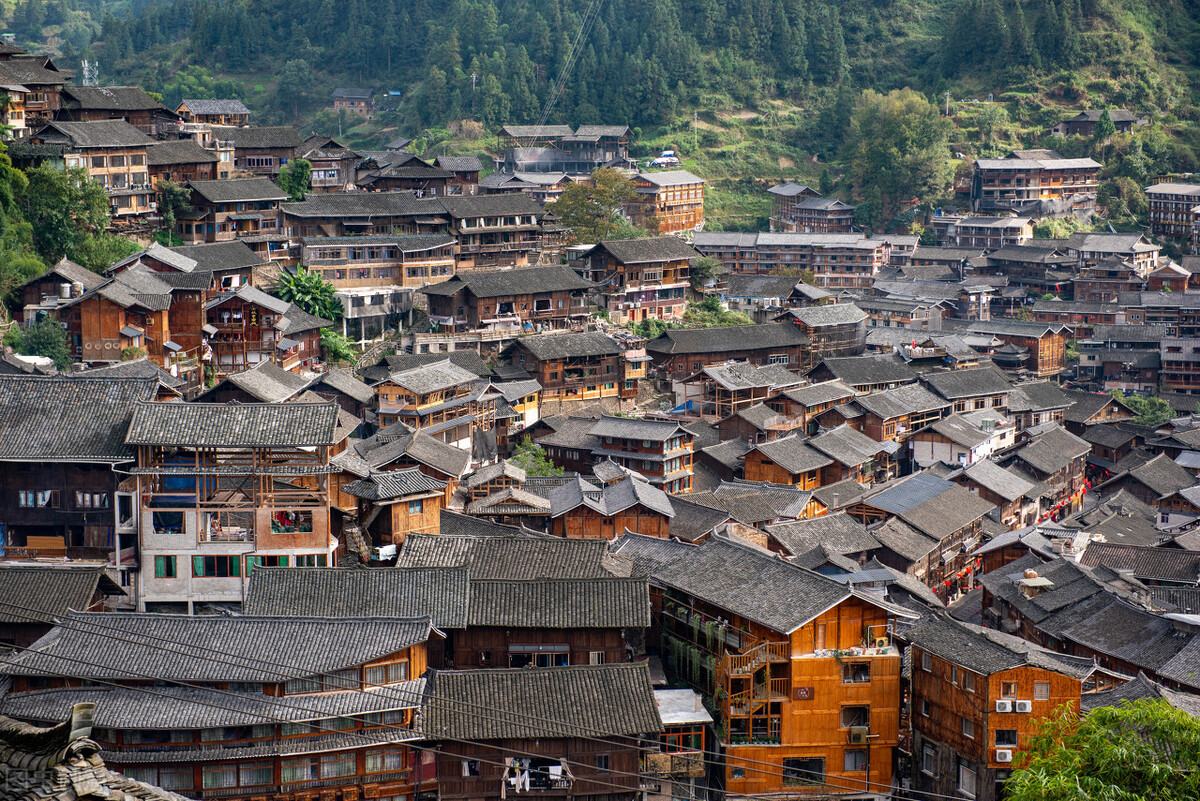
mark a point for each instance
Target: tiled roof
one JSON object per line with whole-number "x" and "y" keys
{"x": 344, "y": 382}
{"x": 178, "y": 151}
{"x": 988, "y": 651}
{"x": 847, "y": 446}
{"x": 391, "y": 484}
{"x": 743, "y": 580}
{"x": 790, "y": 189}
{"x": 1053, "y": 450}
{"x": 234, "y": 189}
{"x": 1005, "y": 483}
{"x": 221, "y": 256}
{"x": 399, "y": 441}
{"x": 858, "y": 371}
{"x": 98, "y": 133}
{"x": 1136, "y": 689}
{"x": 201, "y": 708}
{"x": 745, "y": 375}
{"x": 258, "y": 136}
{"x": 947, "y": 513}
{"x": 829, "y": 314}
{"x": 904, "y": 540}
{"x": 1146, "y": 563}
{"x": 727, "y": 339}
{"x": 1161, "y": 475}
{"x": 439, "y": 593}
{"x": 182, "y": 647}
{"x": 210, "y": 106}
{"x": 636, "y": 428}
{"x": 567, "y": 345}
{"x": 466, "y": 359}
{"x": 133, "y": 368}
{"x": 793, "y": 454}
{"x": 839, "y": 532}
{"x": 512, "y": 557}
{"x": 746, "y": 285}
{"x": 693, "y": 520}
{"x": 268, "y": 382}
{"x": 670, "y": 178}
{"x": 908, "y": 399}
{"x": 1037, "y": 396}
{"x": 470, "y": 206}
{"x": 645, "y": 250}
{"x": 459, "y": 163}
{"x": 233, "y": 425}
{"x": 432, "y": 377}
{"x": 957, "y": 384}
{"x": 560, "y": 603}
{"x": 71, "y": 272}
{"x": 541, "y": 703}
{"x": 819, "y": 393}
{"x": 361, "y": 204}
{"x": 48, "y": 591}
{"x": 56, "y": 419}
{"x": 507, "y": 283}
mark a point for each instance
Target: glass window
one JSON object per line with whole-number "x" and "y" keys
{"x": 381, "y": 759}
{"x": 304, "y": 769}
{"x": 856, "y": 672}
{"x": 1006, "y": 738}
{"x": 164, "y": 567}
{"x": 256, "y": 774}
{"x": 928, "y": 760}
{"x": 217, "y": 776}
{"x": 968, "y": 728}
{"x": 1041, "y": 691}
{"x": 1008, "y": 689}
{"x": 966, "y": 780}
{"x": 856, "y": 716}
{"x": 926, "y": 662}
{"x": 216, "y": 566}
{"x": 855, "y": 760}
{"x": 805, "y": 770}
{"x": 335, "y": 765}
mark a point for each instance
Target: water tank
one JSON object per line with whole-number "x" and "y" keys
{"x": 64, "y": 291}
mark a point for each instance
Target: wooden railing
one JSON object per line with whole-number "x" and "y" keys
{"x": 752, "y": 660}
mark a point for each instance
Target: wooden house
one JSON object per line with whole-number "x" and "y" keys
{"x": 128, "y": 103}
{"x": 44, "y": 294}
{"x": 837, "y": 261}
{"x": 403, "y": 172}
{"x": 441, "y": 399}
{"x": 894, "y": 414}
{"x": 864, "y": 374}
{"x": 198, "y": 539}
{"x": 578, "y": 511}
{"x": 370, "y": 668}
{"x": 561, "y": 733}
{"x": 660, "y": 450}
{"x": 1046, "y": 342}
{"x": 783, "y": 198}
{"x": 260, "y": 150}
{"x": 359, "y": 102}
{"x": 807, "y": 402}
{"x": 971, "y": 390}
{"x": 334, "y": 166}
{"x": 641, "y": 279}
{"x": 557, "y": 148}
{"x": 681, "y": 352}
{"x": 180, "y": 161}
{"x": 787, "y": 460}
{"x": 1011, "y": 493}
{"x": 721, "y": 390}
{"x": 493, "y": 230}
{"x": 395, "y": 503}
{"x": 466, "y": 171}
{"x": 833, "y": 330}
{"x": 804, "y": 692}
{"x": 351, "y": 262}
{"x": 1018, "y": 184}
{"x": 41, "y": 79}
{"x": 979, "y": 697}
{"x": 528, "y": 299}
{"x": 1084, "y": 123}
{"x": 246, "y": 326}
{"x": 219, "y": 111}
{"x": 1058, "y": 459}
{"x": 801, "y": 209}
{"x": 51, "y": 591}
{"x": 112, "y": 153}
{"x": 962, "y": 439}
{"x": 231, "y": 209}
{"x": 1154, "y": 482}
{"x": 577, "y": 366}
{"x": 669, "y": 202}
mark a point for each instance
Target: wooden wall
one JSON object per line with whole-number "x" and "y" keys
{"x": 485, "y": 646}
{"x": 585, "y": 523}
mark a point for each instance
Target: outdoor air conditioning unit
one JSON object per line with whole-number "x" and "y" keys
{"x": 1003, "y": 755}
{"x": 1024, "y": 706}
{"x": 1004, "y": 706}
{"x": 881, "y": 642}
{"x": 858, "y": 735}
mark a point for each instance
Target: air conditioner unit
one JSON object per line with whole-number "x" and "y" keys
{"x": 858, "y": 735}
{"x": 1024, "y": 706}
{"x": 1004, "y": 706}
{"x": 881, "y": 642}
{"x": 1003, "y": 755}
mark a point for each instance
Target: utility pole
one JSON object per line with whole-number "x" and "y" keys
{"x": 473, "y": 77}
{"x": 947, "y": 102}
{"x": 695, "y": 115}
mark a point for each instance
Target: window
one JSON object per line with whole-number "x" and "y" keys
{"x": 805, "y": 770}
{"x": 311, "y": 560}
{"x": 470, "y": 767}
{"x": 386, "y": 674}
{"x": 38, "y": 499}
{"x": 595, "y": 657}
{"x": 968, "y": 681}
{"x": 91, "y": 500}
{"x": 856, "y": 716}
{"x": 175, "y": 777}
{"x": 926, "y": 662}
{"x": 380, "y": 759}
{"x": 928, "y": 760}
{"x": 739, "y": 773}
{"x": 218, "y": 776}
{"x": 1041, "y": 691}
{"x": 856, "y": 672}
{"x": 334, "y": 765}
{"x": 216, "y": 566}
{"x": 337, "y": 680}
{"x": 966, "y": 780}
{"x": 1008, "y": 689}
{"x": 602, "y": 763}
{"x": 954, "y": 674}
{"x": 415, "y": 507}
{"x": 968, "y": 728}
{"x": 304, "y": 769}
{"x": 855, "y": 760}
{"x": 264, "y": 561}
{"x": 925, "y": 707}
{"x": 256, "y": 774}
{"x": 164, "y": 567}
{"x": 1006, "y": 738}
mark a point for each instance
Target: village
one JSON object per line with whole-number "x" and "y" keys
{"x": 804, "y": 512}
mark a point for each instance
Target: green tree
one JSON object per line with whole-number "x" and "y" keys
{"x": 44, "y": 338}
{"x": 295, "y": 79}
{"x": 335, "y": 347}
{"x": 102, "y": 251}
{"x": 709, "y": 313}
{"x": 1150, "y": 410}
{"x": 311, "y": 292}
{"x": 898, "y": 144}
{"x": 826, "y": 183}
{"x": 705, "y": 269}
{"x": 65, "y": 208}
{"x": 1140, "y": 751}
{"x": 294, "y": 178}
{"x": 592, "y": 211}
{"x": 173, "y": 200}
{"x": 532, "y": 458}
{"x": 1104, "y": 131}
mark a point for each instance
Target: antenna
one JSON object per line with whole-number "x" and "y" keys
{"x": 91, "y": 72}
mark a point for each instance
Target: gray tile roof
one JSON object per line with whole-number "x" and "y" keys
{"x": 343, "y": 381}
{"x": 746, "y": 285}
{"x": 566, "y": 345}
{"x": 846, "y": 446}
{"x": 169, "y": 708}
{"x": 957, "y": 384}
{"x": 560, "y": 603}
{"x": 392, "y": 484}
{"x": 829, "y": 314}
{"x": 507, "y": 283}
{"x": 611, "y": 499}
{"x": 133, "y": 368}
{"x": 439, "y": 593}
{"x": 178, "y": 151}
{"x": 231, "y": 190}
{"x": 904, "y": 540}
{"x": 902, "y": 494}
{"x": 1136, "y": 689}
{"x": 57, "y": 419}
{"x": 432, "y": 377}
{"x": 466, "y": 359}
{"x": 255, "y": 137}
{"x": 745, "y": 375}
{"x": 838, "y": 532}
{"x": 210, "y": 106}
{"x": 1161, "y": 475}
{"x": 671, "y": 178}
{"x": 399, "y": 442}
{"x": 636, "y": 428}
{"x": 821, "y": 392}
{"x": 221, "y": 256}
{"x": 459, "y": 163}
{"x": 692, "y": 520}
{"x": 1053, "y": 450}
{"x": 181, "y": 647}
{"x": 793, "y": 454}
{"x": 950, "y": 511}
{"x": 96, "y": 134}
{"x": 645, "y": 250}
{"x": 268, "y": 382}
{"x": 988, "y": 651}
{"x": 858, "y": 371}
{"x": 241, "y": 425}
{"x": 513, "y": 557}
{"x": 993, "y": 477}
{"x": 1037, "y": 396}
{"x": 541, "y": 703}
{"x": 727, "y": 339}
{"x": 48, "y": 591}
{"x": 743, "y": 580}
{"x": 908, "y": 399}
{"x": 1159, "y": 565}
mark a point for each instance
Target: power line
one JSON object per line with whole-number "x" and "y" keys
{"x": 775, "y": 770}
{"x": 589, "y": 19}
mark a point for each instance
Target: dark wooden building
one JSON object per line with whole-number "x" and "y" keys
{"x": 524, "y": 300}
{"x": 679, "y": 353}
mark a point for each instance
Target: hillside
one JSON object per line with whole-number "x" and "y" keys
{"x": 748, "y": 90}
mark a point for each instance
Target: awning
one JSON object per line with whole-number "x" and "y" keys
{"x": 211, "y": 330}
{"x": 283, "y": 343}
{"x": 172, "y": 346}
{"x": 130, "y": 331}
